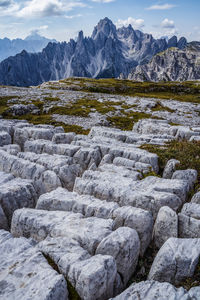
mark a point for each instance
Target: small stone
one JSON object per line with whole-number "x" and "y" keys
{"x": 170, "y": 168}
{"x": 166, "y": 226}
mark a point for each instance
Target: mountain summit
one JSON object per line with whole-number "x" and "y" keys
{"x": 109, "y": 52}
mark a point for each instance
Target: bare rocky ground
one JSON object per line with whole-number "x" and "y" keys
{"x": 85, "y": 109}
{"x": 92, "y": 216}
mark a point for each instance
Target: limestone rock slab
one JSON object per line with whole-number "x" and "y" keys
{"x": 176, "y": 260}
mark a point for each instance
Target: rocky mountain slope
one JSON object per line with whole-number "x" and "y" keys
{"x": 32, "y": 43}
{"x": 109, "y": 52}
{"x": 171, "y": 65}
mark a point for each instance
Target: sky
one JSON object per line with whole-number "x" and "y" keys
{"x": 63, "y": 19}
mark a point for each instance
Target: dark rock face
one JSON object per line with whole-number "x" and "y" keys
{"x": 171, "y": 65}
{"x": 109, "y": 52}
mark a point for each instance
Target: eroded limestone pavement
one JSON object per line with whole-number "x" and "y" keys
{"x": 81, "y": 210}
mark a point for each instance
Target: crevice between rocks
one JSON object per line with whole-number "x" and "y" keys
{"x": 73, "y": 295}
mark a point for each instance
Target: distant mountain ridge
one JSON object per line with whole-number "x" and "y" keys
{"x": 32, "y": 43}
{"x": 171, "y": 65}
{"x": 109, "y": 52}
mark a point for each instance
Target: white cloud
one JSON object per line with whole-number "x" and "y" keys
{"x": 38, "y": 8}
{"x": 161, "y": 6}
{"x": 136, "y": 23}
{"x": 8, "y": 7}
{"x": 166, "y": 23}
{"x": 46, "y": 8}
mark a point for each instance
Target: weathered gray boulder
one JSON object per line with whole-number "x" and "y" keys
{"x": 49, "y": 181}
{"x": 50, "y": 162}
{"x": 44, "y": 146}
{"x": 62, "y": 165}
{"x": 4, "y": 177}
{"x": 195, "y": 138}
{"x": 191, "y": 210}
{"x": 154, "y": 126}
{"x": 12, "y": 149}
{"x": 35, "y": 146}
{"x": 176, "y": 260}
{"x": 185, "y": 132}
{"x": 92, "y": 277}
{"x": 21, "y": 109}
{"x": 87, "y": 156}
{"x": 39, "y": 132}
{"x": 151, "y": 290}
{"x": 170, "y": 168}
{"x": 194, "y": 293}
{"x": 14, "y": 194}
{"x": 43, "y": 181}
{"x": 39, "y": 224}
{"x": 188, "y": 227}
{"x": 150, "y": 193}
{"x": 196, "y": 198}
{"x": 138, "y": 219}
{"x": 188, "y": 175}
{"x": 107, "y": 159}
{"x": 124, "y": 245}
{"x": 166, "y": 226}
{"x": 63, "y": 200}
{"x": 123, "y": 171}
{"x": 26, "y": 274}
{"x": 120, "y": 161}
{"x": 68, "y": 173}
{"x": 63, "y": 138}
{"x": 5, "y": 138}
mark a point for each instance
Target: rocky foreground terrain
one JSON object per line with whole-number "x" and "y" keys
{"x": 94, "y": 216}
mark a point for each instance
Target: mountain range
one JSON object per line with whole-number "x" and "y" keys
{"x": 32, "y": 43}
{"x": 109, "y": 52}
{"x": 171, "y": 65}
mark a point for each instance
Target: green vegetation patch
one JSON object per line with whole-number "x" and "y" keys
{"x": 4, "y": 103}
{"x": 188, "y": 91}
{"x": 51, "y": 99}
{"x": 160, "y": 107}
{"x": 47, "y": 119}
{"x": 73, "y": 295}
{"x": 83, "y": 107}
{"x": 188, "y": 153}
{"x": 125, "y": 122}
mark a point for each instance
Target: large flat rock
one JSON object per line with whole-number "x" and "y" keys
{"x": 25, "y": 273}
{"x": 176, "y": 260}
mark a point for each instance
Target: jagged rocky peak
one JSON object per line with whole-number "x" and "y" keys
{"x": 171, "y": 65}
{"x": 80, "y": 36}
{"x": 109, "y": 52}
{"x": 127, "y": 33}
{"x": 182, "y": 43}
{"x": 173, "y": 41}
{"x": 106, "y": 27}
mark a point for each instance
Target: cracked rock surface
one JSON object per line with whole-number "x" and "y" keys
{"x": 85, "y": 211}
